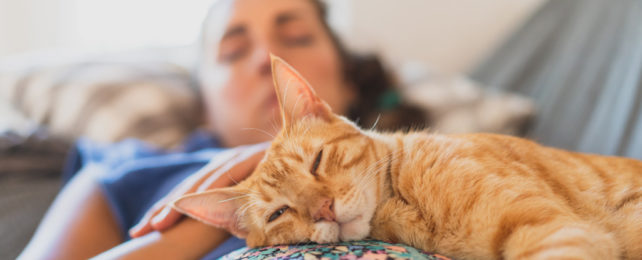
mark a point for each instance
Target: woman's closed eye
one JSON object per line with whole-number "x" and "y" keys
{"x": 232, "y": 56}
{"x": 232, "y": 51}
{"x": 277, "y": 213}
{"x": 294, "y": 32}
{"x": 234, "y": 44}
{"x": 301, "y": 40}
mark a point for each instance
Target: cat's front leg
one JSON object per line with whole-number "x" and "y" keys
{"x": 396, "y": 221}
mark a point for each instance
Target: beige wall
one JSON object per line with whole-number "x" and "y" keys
{"x": 451, "y": 36}
{"x": 97, "y": 25}
{"x": 30, "y": 25}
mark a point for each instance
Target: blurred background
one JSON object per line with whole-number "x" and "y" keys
{"x": 566, "y": 73}
{"x": 451, "y": 36}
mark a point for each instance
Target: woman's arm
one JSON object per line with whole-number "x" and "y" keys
{"x": 79, "y": 223}
{"x": 188, "y": 239}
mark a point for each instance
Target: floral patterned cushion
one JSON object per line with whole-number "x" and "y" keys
{"x": 370, "y": 249}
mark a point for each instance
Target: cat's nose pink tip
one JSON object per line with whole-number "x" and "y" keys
{"x": 326, "y": 211}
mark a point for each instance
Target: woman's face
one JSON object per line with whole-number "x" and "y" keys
{"x": 235, "y": 74}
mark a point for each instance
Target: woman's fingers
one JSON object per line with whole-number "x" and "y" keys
{"x": 144, "y": 226}
{"x": 140, "y": 229}
{"x": 159, "y": 220}
{"x": 165, "y": 219}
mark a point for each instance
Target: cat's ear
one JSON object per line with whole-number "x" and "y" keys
{"x": 216, "y": 207}
{"x": 296, "y": 97}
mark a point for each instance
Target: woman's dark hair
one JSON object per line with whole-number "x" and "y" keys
{"x": 378, "y": 99}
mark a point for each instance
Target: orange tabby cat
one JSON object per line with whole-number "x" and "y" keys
{"x": 475, "y": 196}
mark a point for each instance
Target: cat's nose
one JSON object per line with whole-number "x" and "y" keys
{"x": 324, "y": 210}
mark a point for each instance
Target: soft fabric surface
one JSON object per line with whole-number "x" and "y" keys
{"x": 105, "y": 101}
{"x": 346, "y": 250}
{"x": 29, "y": 179}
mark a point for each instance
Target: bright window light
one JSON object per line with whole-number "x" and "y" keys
{"x": 118, "y": 24}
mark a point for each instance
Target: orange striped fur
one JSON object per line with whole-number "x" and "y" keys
{"x": 472, "y": 196}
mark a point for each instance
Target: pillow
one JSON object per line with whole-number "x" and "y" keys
{"x": 457, "y": 104}
{"x": 369, "y": 249}
{"x": 106, "y": 100}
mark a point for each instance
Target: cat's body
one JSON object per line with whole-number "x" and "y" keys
{"x": 477, "y": 196}
{"x": 483, "y": 196}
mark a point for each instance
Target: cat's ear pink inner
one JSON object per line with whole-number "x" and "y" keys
{"x": 217, "y": 208}
{"x": 296, "y": 97}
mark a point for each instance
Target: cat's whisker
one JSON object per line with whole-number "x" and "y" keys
{"x": 239, "y": 192}
{"x": 233, "y": 198}
{"x": 236, "y": 182}
{"x": 275, "y": 126}
{"x": 367, "y": 179}
{"x": 372, "y": 166}
{"x": 250, "y": 203}
{"x": 367, "y": 173}
{"x": 259, "y": 130}
{"x": 377, "y": 163}
{"x": 371, "y": 175}
{"x": 233, "y": 180}
{"x": 388, "y": 159}
{"x": 385, "y": 161}
{"x": 245, "y": 207}
{"x": 375, "y": 123}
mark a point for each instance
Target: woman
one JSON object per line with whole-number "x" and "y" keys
{"x": 116, "y": 185}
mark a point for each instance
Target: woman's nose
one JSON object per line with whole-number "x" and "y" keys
{"x": 261, "y": 61}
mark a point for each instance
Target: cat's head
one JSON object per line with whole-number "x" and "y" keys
{"x": 314, "y": 184}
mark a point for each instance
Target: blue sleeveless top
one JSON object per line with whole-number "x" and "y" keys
{"x": 136, "y": 175}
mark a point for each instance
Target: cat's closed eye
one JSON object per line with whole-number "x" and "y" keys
{"x": 316, "y": 163}
{"x": 277, "y": 213}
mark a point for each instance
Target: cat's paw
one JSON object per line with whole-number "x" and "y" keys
{"x": 325, "y": 232}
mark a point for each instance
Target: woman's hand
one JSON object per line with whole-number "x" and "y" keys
{"x": 226, "y": 169}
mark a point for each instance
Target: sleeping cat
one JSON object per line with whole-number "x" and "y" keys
{"x": 472, "y": 196}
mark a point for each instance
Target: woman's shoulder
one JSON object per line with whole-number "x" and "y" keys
{"x": 132, "y": 149}
{"x": 200, "y": 146}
